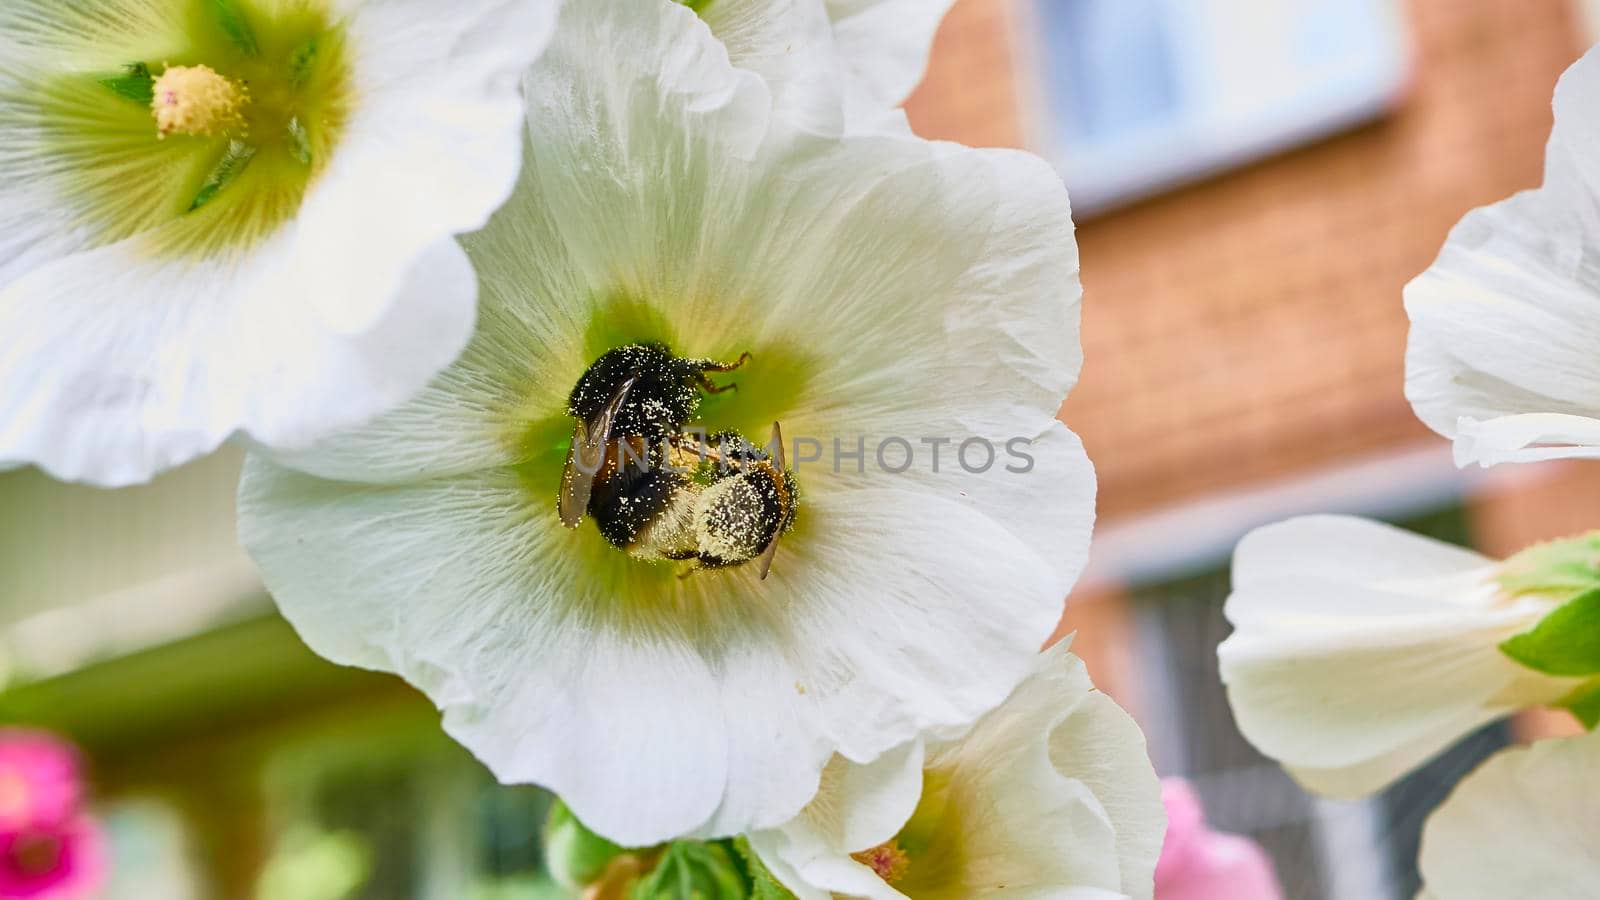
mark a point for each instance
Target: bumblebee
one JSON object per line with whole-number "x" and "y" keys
{"x": 658, "y": 492}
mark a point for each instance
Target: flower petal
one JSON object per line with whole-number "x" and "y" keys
{"x": 1522, "y": 825}
{"x": 1361, "y": 651}
{"x": 123, "y": 361}
{"x": 887, "y": 42}
{"x": 819, "y": 664}
{"x": 1049, "y": 796}
{"x": 1501, "y": 323}
{"x": 899, "y": 607}
{"x": 94, "y": 395}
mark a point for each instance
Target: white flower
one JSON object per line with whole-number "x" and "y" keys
{"x": 1502, "y": 350}
{"x": 1051, "y": 795}
{"x": 1523, "y": 825}
{"x": 1360, "y": 651}
{"x": 832, "y": 65}
{"x": 237, "y": 215}
{"x": 888, "y": 288}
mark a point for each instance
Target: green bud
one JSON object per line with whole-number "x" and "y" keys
{"x": 575, "y": 856}
{"x": 690, "y": 870}
{"x": 1561, "y": 569}
{"x": 763, "y": 886}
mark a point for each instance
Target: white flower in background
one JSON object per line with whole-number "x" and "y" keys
{"x": 237, "y": 215}
{"x": 833, "y": 65}
{"x": 1051, "y": 795}
{"x": 886, "y": 288}
{"x": 1523, "y": 825}
{"x": 1360, "y": 651}
{"x": 1502, "y": 351}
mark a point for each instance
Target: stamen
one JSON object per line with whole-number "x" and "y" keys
{"x": 196, "y": 100}
{"x": 886, "y": 859}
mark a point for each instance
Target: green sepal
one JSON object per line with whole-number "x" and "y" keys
{"x": 1561, "y": 569}
{"x": 575, "y": 856}
{"x": 231, "y": 19}
{"x": 690, "y": 870}
{"x": 135, "y": 83}
{"x": 234, "y": 160}
{"x": 697, "y": 5}
{"x": 763, "y": 886}
{"x": 1565, "y": 642}
{"x": 1583, "y": 703}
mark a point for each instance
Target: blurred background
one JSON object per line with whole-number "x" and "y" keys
{"x": 1255, "y": 180}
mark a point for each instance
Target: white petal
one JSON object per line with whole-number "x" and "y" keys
{"x": 887, "y": 42}
{"x": 1522, "y": 825}
{"x": 1347, "y": 548}
{"x": 432, "y": 148}
{"x": 1529, "y": 437}
{"x": 1051, "y": 796}
{"x": 860, "y": 640}
{"x": 1361, "y": 651}
{"x": 901, "y": 606}
{"x": 95, "y": 394}
{"x": 790, "y": 44}
{"x": 122, "y": 362}
{"x": 1502, "y": 323}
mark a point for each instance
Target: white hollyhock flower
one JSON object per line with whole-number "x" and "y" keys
{"x": 889, "y": 290}
{"x": 1502, "y": 351}
{"x": 1360, "y": 651}
{"x": 1523, "y": 825}
{"x": 1051, "y": 795}
{"x": 832, "y": 65}
{"x": 237, "y": 215}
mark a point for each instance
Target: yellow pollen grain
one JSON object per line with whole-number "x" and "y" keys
{"x": 886, "y": 859}
{"x": 195, "y": 100}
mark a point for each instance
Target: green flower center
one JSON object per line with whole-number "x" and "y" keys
{"x": 209, "y": 139}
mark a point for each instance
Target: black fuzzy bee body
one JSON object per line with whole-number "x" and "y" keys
{"x": 659, "y": 493}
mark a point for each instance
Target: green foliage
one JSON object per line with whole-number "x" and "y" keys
{"x": 1565, "y": 642}
{"x": 697, "y": 5}
{"x": 575, "y": 856}
{"x": 135, "y": 83}
{"x": 1584, "y": 703}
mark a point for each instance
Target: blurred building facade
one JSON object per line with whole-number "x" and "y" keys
{"x": 1244, "y": 338}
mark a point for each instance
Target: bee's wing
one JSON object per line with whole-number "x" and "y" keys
{"x": 778, "y": 459}
{"x": 589, "y": 442}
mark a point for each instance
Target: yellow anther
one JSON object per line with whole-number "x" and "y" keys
{"x": 195, "y": 100}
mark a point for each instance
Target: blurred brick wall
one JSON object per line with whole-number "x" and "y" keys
{"x": 1251, "y": 327}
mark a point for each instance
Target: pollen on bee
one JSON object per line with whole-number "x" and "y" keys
{"x": 195, "y": 100}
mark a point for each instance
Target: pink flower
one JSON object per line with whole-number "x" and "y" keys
{"x": 39, "y": 780}
{"x": 63, "y": 861}
{"x": 1200, "y": 864}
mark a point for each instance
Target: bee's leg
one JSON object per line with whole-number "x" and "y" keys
{"x": 711, "y": 388}
{"x": 684, "y": 575}
{"x": 727, "y": 367}
{"x": 708, "y": 365}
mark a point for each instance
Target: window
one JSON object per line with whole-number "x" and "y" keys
{"x": 1144, "y": 94}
